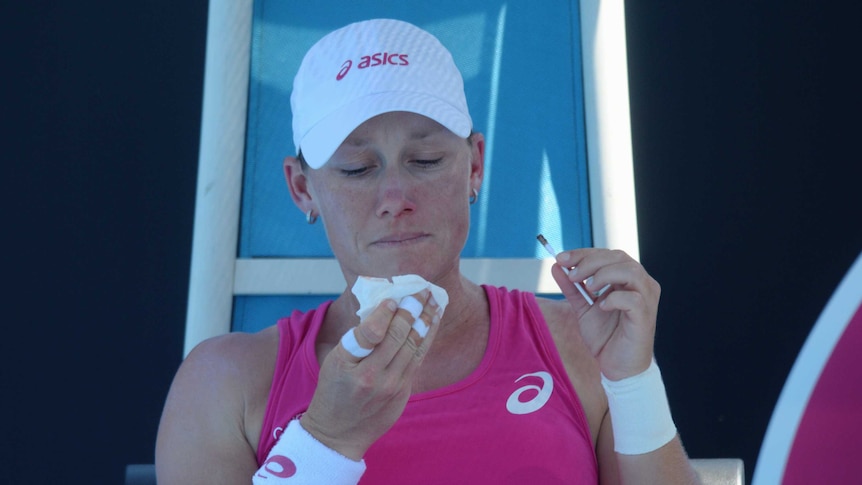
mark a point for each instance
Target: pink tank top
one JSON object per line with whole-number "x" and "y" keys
{"x": 516, "y": 419}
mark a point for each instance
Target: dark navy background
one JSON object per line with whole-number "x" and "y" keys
{"x": 745, "y": 123}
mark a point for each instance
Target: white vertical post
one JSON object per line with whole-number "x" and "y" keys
{"x": 608, "y": 125}
{"x": 217, "y": 203}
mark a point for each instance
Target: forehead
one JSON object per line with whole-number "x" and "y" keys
{"x": 410, "y": 126}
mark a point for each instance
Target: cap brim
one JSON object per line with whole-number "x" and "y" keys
{"x": 321, "y": 141}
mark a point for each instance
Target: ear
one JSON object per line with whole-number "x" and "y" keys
{"x": 298, "y": 183}
{"x": 477, "y": 163}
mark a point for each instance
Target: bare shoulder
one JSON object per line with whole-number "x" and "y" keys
{"x": 214, "y": 409}
{"x": 582, "y": 368}
{"x": 231, "y": 365}
{"x": 236, "y": 368}
{"x": 563, "y": 324}
{"x": 235, "y": 354}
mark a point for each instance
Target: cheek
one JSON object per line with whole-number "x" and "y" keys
{"x": 337, "y": 200}
{"x": 450, "y": 203}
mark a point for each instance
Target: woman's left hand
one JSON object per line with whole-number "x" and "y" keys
{"x": 619, "y": 328}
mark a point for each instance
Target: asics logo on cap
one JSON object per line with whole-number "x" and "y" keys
{"x": 378, "y": 59}
{"x": 344, "y": 68}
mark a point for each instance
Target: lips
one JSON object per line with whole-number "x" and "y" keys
{"x": 402, "y": 238}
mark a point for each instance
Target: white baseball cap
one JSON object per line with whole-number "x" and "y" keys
{"x": 366, "y": 69}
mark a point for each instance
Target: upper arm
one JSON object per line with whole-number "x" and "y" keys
{"x": 581, "y": 366}
{"x": 605, "y": 455}
{"x": 584, "y": 374}
{"x": 668, "y": 464}
{"x": 202, "y": 435}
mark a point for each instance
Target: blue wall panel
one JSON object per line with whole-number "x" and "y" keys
{"x": 522, "y": 71}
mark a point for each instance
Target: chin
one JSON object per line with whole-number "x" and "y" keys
{"x": 401, "y": 268}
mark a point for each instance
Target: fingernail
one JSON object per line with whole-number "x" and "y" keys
{"x": 391, "y": 305}
{"x": 564, "y": 257}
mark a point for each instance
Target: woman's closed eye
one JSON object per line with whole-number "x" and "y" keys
{"x": 353, "y": 172}
{"x": 356, "y": 169}
{"x": 428, "y": 163}
{"x": 365, "y": 169}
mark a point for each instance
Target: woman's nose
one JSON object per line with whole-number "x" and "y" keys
{"x": 395, "y": 194}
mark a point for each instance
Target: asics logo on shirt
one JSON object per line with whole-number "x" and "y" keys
{"x": 542, "y": 394}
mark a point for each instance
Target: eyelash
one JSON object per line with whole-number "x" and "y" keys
{"x": 361, "y": 170}
{"x": 428, "y": 163}
{"x": 355, "y": 172}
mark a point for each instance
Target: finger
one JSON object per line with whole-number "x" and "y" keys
{"x": 575, "y": 264}
{"x": 630, "y": 302}
{"x": 585, "y": 262}
{"x": 601, "y": 270}
{"x": 352, "y": 347}
{"x": 399, "y": 327}
{"x": 627, "y": 275}
{"x": 573, "y": 291}
{"x": 572, "y": 259}
{"x": 430, "y": 312}
{"x": 411, "y": 354}
{"x": 637, "y": 311}
{"x": 358, "y": 342}
{"x": 420, "y": 327}
{"x": 414, "y": 307}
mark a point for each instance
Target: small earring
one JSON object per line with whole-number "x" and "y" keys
{"x": 310, "y": 217}
{"x": 474, "y": 196}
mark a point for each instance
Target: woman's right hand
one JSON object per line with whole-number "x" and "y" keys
{"x": 358, "y": 399}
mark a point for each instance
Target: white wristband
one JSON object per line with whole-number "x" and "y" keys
{"x": 299, "y": 459}
{"x": 640, "y": 412}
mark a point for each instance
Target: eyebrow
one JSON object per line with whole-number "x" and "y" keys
{"x": 421, "y": 134}
{"x": 425, "y": 133}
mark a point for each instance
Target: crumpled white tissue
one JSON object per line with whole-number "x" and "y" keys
{"x": 372, "y": 291}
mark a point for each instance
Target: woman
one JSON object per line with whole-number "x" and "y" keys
{"x": 497, "y": 387}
